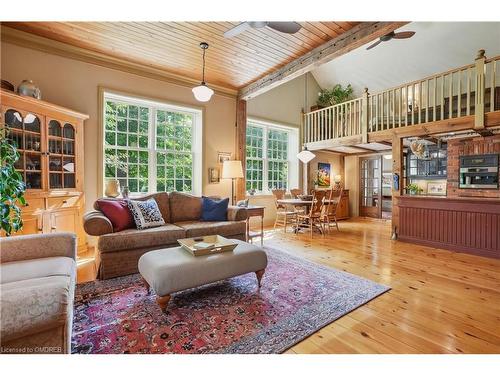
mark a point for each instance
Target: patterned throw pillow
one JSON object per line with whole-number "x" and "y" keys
{"x": 146, "y": 213}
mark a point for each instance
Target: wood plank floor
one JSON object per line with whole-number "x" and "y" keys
{"x": 440, "y": 301}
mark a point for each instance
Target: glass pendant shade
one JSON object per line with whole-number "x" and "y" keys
{"x": 305, "y": 156}
{"x": 202, "y": 93}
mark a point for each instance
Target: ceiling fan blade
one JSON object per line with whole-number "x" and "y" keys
{"x": 285, "y": 27}
{"x": 237, "y": 30}
{"x": 374, "y": 44}
{"x": 404, "y": 35}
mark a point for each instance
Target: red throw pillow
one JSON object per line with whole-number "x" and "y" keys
{"x": 118, "y": 213}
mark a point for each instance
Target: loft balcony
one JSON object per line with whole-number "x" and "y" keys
{"x": 464, "y": 98}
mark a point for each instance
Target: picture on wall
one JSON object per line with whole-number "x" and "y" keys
{"x": 324, "y": 170}
{"x": 213, "y": 175}
{"x": 223, "y": 156}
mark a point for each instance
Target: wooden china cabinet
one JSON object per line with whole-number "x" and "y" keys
{"x": 49, "y": 139}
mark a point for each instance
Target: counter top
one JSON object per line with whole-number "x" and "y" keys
{"x": 446, "y": 198}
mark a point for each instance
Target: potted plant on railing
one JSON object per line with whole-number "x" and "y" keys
{"x": 12, "y": 186}
{"x": 336, "y": 95}
{"x": 414, "y": 189}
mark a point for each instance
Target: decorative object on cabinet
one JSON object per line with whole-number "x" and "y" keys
{"x": 12, "y": 188}
{"x": 125, "y": 192}
{"x": 28, "y": 88}
{"x": 414, "y": 189}
{"x": 213, "y": 175}
{"x": 6, "y": 85}
{"x": 112, "y": 188}
{"x": 49, "y": 139}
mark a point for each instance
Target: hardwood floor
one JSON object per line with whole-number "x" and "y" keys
{"x": 440, "y": 301}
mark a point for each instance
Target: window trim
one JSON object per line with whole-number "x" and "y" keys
{"x": 293, "y": 149}
{"x": 154, "y": 104}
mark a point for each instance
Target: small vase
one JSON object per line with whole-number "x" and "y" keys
{"x": 112, "y": 188}
{"x": 125, "y": 192}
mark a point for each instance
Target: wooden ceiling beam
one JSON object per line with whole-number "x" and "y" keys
{"x": 344, "y": 43}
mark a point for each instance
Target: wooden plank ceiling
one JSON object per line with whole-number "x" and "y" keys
{"x": 174, "y": 46}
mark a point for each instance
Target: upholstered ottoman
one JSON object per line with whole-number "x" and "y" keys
{"x": 174, "y": 269}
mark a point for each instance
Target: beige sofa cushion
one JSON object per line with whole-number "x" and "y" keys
{"x": 36, "y": 268}
{"x": 136, "y": 239}
{"x": 205, "y": 228}
{"x": 184, "y": 207}
{"x": 35, "y": 305}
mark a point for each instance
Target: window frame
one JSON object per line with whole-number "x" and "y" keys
{"x": 153, "y": 105}
{"x": 292, "y": 150}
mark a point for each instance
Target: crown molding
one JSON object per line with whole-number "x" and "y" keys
{"x": 27, "y": 40}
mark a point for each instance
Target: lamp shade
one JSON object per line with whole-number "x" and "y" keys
{"x": 337, "y": 178}
{"x": 202, "y": 93}
{"x": 305, "y": 156}
{"x": 232, "y": 169}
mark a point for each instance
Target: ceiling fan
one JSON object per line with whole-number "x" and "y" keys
{"x": 282, "y": 27}
{"x": 392, "y": 35}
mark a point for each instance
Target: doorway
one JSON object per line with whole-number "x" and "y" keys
{"x": 375, "y": 195}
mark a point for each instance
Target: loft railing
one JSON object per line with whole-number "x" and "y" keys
{"x": 442, "y": 96}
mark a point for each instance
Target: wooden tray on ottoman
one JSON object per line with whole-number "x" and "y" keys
{"x": 220, "y": 245}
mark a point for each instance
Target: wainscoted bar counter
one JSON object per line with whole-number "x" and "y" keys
{"x": 464, "y": 224}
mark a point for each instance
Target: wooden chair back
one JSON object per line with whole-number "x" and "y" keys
{"x": 318, "y": 202}
{"x": 278, "y": 194}
{"x": 295, "y": 193}
{"x": 335, "y": 197}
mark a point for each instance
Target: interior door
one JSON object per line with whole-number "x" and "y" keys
{"x": 370, "y": 186}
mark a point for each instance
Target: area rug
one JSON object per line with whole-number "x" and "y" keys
{"x": 296, "y": 299}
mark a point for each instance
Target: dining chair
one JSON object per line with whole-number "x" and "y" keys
{"x": 284, "y": 215}
{"x": 329, "y": 214}
{"x": 295, "y": 193}
{"x": 312, "y": 219}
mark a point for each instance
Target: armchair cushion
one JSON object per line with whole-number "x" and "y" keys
{"x": 36, "y": 268}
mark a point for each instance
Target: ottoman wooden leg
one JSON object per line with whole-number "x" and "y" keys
{"x": 163, "y": 301}
{"x": 146, "y": 284}
{"x": 259, "y": 275}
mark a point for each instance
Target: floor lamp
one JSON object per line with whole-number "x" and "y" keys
{"x": 232, "y": 169}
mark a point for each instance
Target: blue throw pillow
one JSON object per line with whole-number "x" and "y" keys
{"x": 214, "y": 210}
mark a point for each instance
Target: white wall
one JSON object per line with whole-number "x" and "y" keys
{"x": 436, "y": 47}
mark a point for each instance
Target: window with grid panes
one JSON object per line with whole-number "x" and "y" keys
{"x": 254, "y": 162}
{"x": 269, "y": 164}
{"x": 150, "y": 148}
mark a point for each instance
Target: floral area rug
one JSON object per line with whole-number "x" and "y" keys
{"x": 296, "y": 299}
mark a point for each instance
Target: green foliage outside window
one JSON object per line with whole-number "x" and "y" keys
{"x": 127, "y": 148}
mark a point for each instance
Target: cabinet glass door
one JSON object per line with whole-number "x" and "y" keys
{"x": 61, "y": 146}
{"x": 25, "y": 134}
{"x": 370, "y": 186}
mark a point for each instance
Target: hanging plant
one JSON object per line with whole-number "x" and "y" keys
{"x": 336, "y": 95}
{"x": 12, "y": 186}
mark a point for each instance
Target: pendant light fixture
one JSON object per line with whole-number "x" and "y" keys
{"x": 203, "y": 93}
{"x": 305, "y": 156}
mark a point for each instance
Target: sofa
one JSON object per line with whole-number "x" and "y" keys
{"x": 38, "y": 275}
{"x": 118, "y": 253}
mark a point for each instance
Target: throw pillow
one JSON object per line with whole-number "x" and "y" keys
{"x": 118, "y": 213}
{"x": 146, "y": 213}
{"x": 214, "y": 210}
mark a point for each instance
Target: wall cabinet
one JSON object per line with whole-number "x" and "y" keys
{"x": 49, "y": 139}
{"x": 434, "y": 166}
